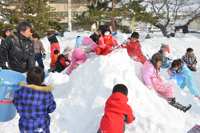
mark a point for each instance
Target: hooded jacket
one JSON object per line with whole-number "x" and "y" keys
{"x": 34, "y": 103}
{"x": 117, "y": 112}
{"x": 20, "y": 52}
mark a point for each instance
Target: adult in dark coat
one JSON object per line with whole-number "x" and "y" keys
{"x": 19, "y": 47}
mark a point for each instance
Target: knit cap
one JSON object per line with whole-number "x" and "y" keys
{"x": 164, "y": 48}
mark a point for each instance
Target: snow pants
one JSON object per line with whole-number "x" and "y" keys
{"x": 54, "y": 46}
{"x": 189, "y": 82}
{"x": 78, "y": 57}
{"x": 165, "y": 89}
{"x": 100, "y": 51}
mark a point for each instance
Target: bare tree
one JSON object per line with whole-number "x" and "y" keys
{"x": 169, "y": 10}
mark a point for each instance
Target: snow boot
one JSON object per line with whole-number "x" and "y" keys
{"x": 172, "y": 102}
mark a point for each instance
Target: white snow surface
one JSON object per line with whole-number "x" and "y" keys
{"x": 81, "y": 96}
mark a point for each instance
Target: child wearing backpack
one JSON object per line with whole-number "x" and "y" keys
{"x": 34, "y": 102}
{"x": 79, "y": 54}
{"x": 134, "y": 48}
{"x": 62, "y": 59}
{"x": 117, "y": 111}
{"x": 181, "y": 68}
{"x": 165, "y": 49}
{"x": 151, "y": 76}
{"x": 106, "y": 42}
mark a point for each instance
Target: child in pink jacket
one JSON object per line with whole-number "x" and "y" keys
{"x": 79, "y": 54}
{"x": 151, "y": 76}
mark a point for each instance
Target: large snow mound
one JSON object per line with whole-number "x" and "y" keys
{"x": 81, "y": 99}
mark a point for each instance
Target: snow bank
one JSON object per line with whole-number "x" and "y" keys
{"x": 81, "y": 97}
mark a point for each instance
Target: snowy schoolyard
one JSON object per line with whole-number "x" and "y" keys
{"x": 81, "y": 96}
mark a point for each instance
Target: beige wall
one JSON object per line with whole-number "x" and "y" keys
{"x": 63, "y": 7}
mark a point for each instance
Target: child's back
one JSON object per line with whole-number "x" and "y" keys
{"x": 33, "y": 103}
{"x": 60, "y": 63}
{"x": 117, "y": 112}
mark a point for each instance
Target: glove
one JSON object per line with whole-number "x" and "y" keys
{"x": 152, "y": 88}
{"x": 169, "y": 59}
{"x": 126, "y": 42}
{"x": 44, "y": 56}
{"x": 108, "y": 47}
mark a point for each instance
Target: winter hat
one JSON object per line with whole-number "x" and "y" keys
{"x": 66, "y": 52}
{"x": 157, "y": 56}
{"x": 164, "y": 48}
{"x": 120, "y": 88}
{"x": 68, "y": 47}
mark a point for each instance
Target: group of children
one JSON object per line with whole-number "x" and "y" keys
{"x": 34, "y": 101}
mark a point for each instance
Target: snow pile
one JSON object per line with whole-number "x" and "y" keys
{"x": 81, "y": 97}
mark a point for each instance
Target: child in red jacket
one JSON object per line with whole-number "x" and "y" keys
{"x": 117, "y": 111}
{"x": 134, "y": 48}
{"x": 106, "y": 42}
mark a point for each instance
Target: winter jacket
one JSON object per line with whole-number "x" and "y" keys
{"x": 134, "y": 51}
{"x": 34, "y": 103}
{"x": 107, "y": 42}
{"x": 79, "y": 41}
{"x": 60, "y": 63}
{"x": 188, "y": 79}
{"x": 150, "y": 74}
{"x": 52, "y": 38}
{"x": 165, "y": 64}
{"x": 87, "y": 45}
{"x": 189, "y": 60}
{"x": 117, "y": 112}
{"x": 53, "y": 60}
{"x": 20, "y": 52}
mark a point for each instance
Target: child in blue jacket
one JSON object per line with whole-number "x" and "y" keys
{"x": 165, "y": 48}
{"x": 181, "y": 68}
{"x": 34, "y": 102}
{"x": 79, "y": 41}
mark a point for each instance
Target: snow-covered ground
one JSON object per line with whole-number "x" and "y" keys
{"x": 81, "y": 96}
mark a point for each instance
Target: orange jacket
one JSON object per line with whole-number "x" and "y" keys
{"x": 53, "y": 60}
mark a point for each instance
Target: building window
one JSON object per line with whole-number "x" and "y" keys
{"x": 61, "y": 14}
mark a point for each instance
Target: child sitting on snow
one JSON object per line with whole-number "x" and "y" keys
{"x": 106, "y": 42}
{"x": 180, "y": 67}
{"x": 53, "y": 61}
{"x": 190, "y": 59}
{"x": 165, "y": 48}
{"x": 151, "y": 76}
{"x": 134, "y": 48}
{"x": 34, "y": 102}
{"x": 117, "y": 111}
{"x": 79, "y": 54}
{"x": 62, "y": 59}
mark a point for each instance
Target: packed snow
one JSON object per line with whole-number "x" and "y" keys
{"x": 81, "y": 96}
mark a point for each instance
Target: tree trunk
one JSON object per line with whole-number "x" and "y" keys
{"x": 112, "y": 18}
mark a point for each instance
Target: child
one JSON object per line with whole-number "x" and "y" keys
{"x": 190, "y": 59}
{"x": 79, "y": 54}
{"x": 53, "y": 61}
{"x": 34, "y": 102}
{"x": 165, "y": 48}
{"x": 106, "y": 42}
{"x": 134, "y": 48}
{"x": 117, "y": 111}
{"x": 180, "y": 67}
{"x": 53, "y": 41}
{"x": 60, "y": 63}
{"x": 151, "y": 76}
{"x": 79, "y": 41}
